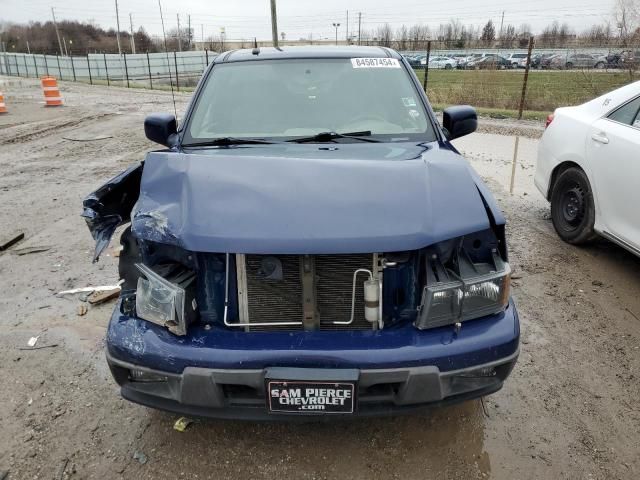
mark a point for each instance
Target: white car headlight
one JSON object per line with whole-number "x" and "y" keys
{"x": 475, "y": 290}
{"x": 169, "y": 302}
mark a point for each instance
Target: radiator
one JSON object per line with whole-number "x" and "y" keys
{"x": 270, "y": 290}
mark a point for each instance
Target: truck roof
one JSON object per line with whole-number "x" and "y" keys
{"x": 308, "y": 51}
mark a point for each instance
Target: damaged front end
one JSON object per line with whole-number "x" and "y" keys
{"x": 180, "y": 263}
{"x": 110, "y": 206}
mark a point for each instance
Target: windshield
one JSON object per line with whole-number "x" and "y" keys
{"x": 285, "y": 99}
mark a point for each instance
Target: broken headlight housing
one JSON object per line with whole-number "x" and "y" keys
{"x": 462, "y": 286}
{"x": 166, "y": 296}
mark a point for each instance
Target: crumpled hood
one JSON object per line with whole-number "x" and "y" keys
{"x": 268, "y": 200}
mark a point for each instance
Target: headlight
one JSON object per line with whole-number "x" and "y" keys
{"x": 463, "y": 289}
{"x": 169, "y": 302}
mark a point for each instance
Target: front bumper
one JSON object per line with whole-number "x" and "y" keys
{"x": 240, "y": 394}
{"x": 220, "y": 373}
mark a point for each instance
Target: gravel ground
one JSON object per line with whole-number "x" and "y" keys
{"x": 569, "y": 410}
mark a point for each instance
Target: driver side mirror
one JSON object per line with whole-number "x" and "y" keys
{"x": 459, "y": 121}
{"x": 161, "y": 128}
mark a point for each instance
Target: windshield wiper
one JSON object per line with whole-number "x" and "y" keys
{"x": 331, "y": 136}
{"x": 224, "y": 141}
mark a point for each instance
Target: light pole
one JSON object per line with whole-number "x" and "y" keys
{"x": 336, "y": 25}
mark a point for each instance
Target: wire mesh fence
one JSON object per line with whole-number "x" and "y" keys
{"x": 150, "y": 70}
{"x": 502, "y": 81}
{"x": 509, "y": 80}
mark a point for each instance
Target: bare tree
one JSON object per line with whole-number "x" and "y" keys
{"x": 508, "y": 36}
{"x": 402, "y": 38}
{"x": 384, "y": 35}
{"x": 627, "y": 16}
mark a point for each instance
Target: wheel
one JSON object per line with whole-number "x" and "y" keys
{"x": 572, "y": 208}
{"x": 447, "y": 66}
{"x": 600, "y": 65}
{"x": 569, "y": 65}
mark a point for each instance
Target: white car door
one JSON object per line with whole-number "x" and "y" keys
{"x": 613, "y": 150}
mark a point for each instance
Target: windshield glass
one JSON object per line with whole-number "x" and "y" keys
{"x": 285, "y": 99}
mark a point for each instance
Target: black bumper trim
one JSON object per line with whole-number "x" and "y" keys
{"x": 240, "y": 394}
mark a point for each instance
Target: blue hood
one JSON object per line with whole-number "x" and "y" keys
{"x": 298, "y": 199}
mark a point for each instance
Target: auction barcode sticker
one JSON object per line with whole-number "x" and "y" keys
{"x": 375, "y": 63}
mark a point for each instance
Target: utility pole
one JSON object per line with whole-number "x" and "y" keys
{"x": 202, "y": 35}
{"x": 501, "y": 23}
{"x": 347, "y": 34}
{"x": 336, "y": 25}
{"x": 189, "y": 30}
{"x": 359, "y": 26}
{"x": 118, "y": 29}
{"x": 133, "y": 40}
{"x": 55, "y": 24}
{"x": 64, "y": 42}
{"x": 274, "y": 24}
{"x": 179, "y": 40}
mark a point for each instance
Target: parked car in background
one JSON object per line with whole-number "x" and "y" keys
{"x": 490, "y": 61}
{"x": 517, "y": 60}
{"x": 630, "y": 59}
{"x": 578, "y": 60}
{"x": 413, "y": 60}
{"x": 474, "y": 57}
{"x": 307, "y": 242}
{"x": 446, "y": 63}
{"x": 589, "y": 169}
{"x": 459, "y": 57}
{"x": 543, "y": 61}
{"x": 614, "y": 60}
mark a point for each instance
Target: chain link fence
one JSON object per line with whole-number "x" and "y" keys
{"x": 497, "y": 81}
{"x": 146, "y": 70}
{"x": 509, "y": 82}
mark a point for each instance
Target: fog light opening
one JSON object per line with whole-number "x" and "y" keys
{"x": 143, "y": 376}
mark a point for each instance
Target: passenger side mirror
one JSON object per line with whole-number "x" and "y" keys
{"x": 459, "y": 121}
{"x": 161, "y": 128}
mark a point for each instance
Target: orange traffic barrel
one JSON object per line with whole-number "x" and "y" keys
{"x": 3, "y": 107}
{"x": 52, "y": 95}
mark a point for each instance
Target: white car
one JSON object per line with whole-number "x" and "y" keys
{"x": 589, "y": 169}
{"x": 518, "y": 60}
{"x": 441, "y": 62}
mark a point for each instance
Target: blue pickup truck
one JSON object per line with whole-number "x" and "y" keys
{"x": 307, "y": 242}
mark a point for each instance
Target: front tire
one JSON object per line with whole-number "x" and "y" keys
{"x": 572, "y": 207}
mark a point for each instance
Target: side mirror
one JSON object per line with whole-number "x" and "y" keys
{"x": 459, "y": 121}
{"x": 161, "y": 128}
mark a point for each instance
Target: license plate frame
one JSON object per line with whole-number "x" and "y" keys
{"x": 312, "y": 397}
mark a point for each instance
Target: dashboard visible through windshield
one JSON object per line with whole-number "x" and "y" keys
{"x": 294, "y": 98}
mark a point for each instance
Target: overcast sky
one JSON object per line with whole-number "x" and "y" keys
{"x": 244, "y": 19}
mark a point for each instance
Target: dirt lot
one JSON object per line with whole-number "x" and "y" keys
{"x": 570, "y": 409}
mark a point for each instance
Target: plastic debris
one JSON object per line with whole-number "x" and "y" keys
{"x": 88, "y": 139}
{"x": 141, "y": 457}
{"x": 32, "y": 341}
{"x": 103, "y": 288}
{"x": 182, "y": 423}
{"x": 82, "y": 309}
